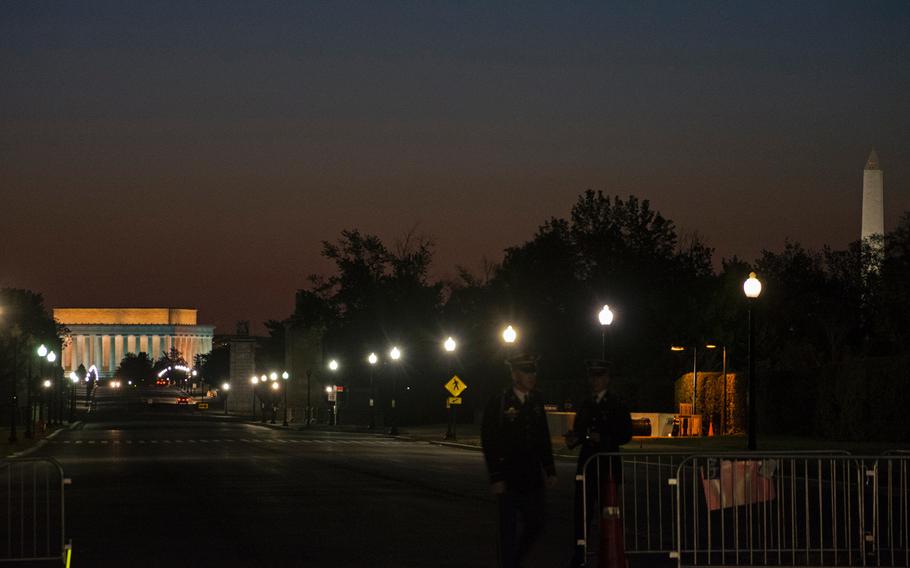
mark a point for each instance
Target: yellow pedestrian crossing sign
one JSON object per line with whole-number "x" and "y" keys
{"x": 456, "y": 386}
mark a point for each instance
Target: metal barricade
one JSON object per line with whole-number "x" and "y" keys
{"x": 646, "y": 501}
{"x": 785, "y": 509}
{"x": 32, "y": 520}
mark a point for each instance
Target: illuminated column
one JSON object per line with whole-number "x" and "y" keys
{"x": 118, "y": 348}
{"x": 74, "y": 349}
{"x": 84, "y": 350}
{"x": 111, "y": 354}
{"x": 151, "y": 344}
{"x": 97, "y": 353}
{"x": 168, "y": 342}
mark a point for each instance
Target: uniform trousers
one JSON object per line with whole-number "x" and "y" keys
{"x": 526, "y": 508}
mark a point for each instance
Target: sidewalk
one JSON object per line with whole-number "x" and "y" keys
{"x": 8, "y": 450}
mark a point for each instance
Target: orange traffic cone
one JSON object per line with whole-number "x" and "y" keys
{"x": 710, "y": 428}
{"x": 612, "y": 549}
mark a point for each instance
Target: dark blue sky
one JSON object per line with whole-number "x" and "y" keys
{"x": 171, "y": 154}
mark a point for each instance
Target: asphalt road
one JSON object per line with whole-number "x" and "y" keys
{"x": 161, "y": 485}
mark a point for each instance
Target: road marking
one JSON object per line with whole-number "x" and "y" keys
{"x": 141, "y": 441}
{"x": 129, "y": 441}
{"x": 178, "y": 441}
{"x": 191, "y": 441}
{"x": 154, "y": 441}
{"x": 103, "y": 441}
{"x": 166, "y": 441}
{"x": 66, "y": 441}
{"x": 78, "y": 441}
{"x": 116, "y": 441}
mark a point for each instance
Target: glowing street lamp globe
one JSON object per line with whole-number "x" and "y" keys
{"x": 226, "y": 386}
{"x": 605, "y": 316}
{"x": 273, "y": 376}
{"x": 47, "y": 383}
{"x": 275, "y": 386}
{"x": 51, "y": 357}
{"x": 333, "y": 365}
{"x": 285, "y": 375}
{"x": 509, "y": 335}
{"x": 373, "y": 359}
{"x": 395, "y": 354}
{"x": 328, "y": 390}
{"x": 255, "y": 380}
{"x": 42, "y": 351}
{"x": 752, "y": 286}
{"x": 449, "y": 344}
{"x": 263, "y": 379}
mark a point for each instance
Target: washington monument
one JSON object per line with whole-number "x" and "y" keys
{"x": 873, "y": 207}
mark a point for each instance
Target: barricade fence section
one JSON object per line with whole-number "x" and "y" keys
{"x": 32, "y": 521}
{"x": 792, "y": 510}
{"x": 644, "y": 500}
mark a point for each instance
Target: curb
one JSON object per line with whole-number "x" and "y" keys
{"x": 38, "y": 445}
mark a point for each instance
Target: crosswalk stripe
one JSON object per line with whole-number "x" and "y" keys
{"x": 103, "y": 441}
{"x": 178, "y": 441}
{"x": 166, "y": 441}
{"x": 116, "y": 441}
{"x": 78, "y": 441}
{"x": 66, "y": 441}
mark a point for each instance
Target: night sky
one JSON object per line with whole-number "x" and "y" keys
{"x": 195, "y": 154}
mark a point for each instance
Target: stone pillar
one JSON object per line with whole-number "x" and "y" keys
{"x": 111, "y": 353}
{"x": 84, "y": 350}
{"x": 151, "y": 345}
{"x": 98, "y": 354}
{"x": 118, "y": 348}
{"x": 74, "y": 352}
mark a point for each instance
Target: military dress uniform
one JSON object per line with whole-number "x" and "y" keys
{"x": 602, "y": 424}
{"x": 518, "y": 451}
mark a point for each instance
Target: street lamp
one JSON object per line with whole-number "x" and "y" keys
{"x": 449, "y": 345}
{"x": 723, "y": 416}
{"x": 225, "y": 387}
{"x": 56, "y": 400}
{"x": 395, "y": 355}
{"x": 509, "y": 335}
{"x": 372, "y": 359}
{"x": 694, "y": 371}
{"x": 285, "y": 376}
{"x": 333, "y": 366}
{"x": 255, "y": 382}
{"x": 74, "y": 379}
{"x": 752, "y": 289}
{"x": 605, "y": 317}
{"x": 275, "y": 387}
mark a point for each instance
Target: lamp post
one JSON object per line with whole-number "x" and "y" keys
{"x": 752, "y": 289}
{"x": 255, "y": 382}
{"x": 395, "y": 356}
{"x": 284, "y": 377}
{"x": 694, "y": 370}
{"x": 449, "y": 345}
{"x": 372, "y": 359}
{"x": 74, "y": 380}
{"x": 605, "y": 317}
{"x": 56, "y": 395}
{"x": 274, "y": 386}
{"x": 29, "y": 425}
{"x": 723, "y": 415}
{"x": 333, "y": 366}
{"x": 264, "y": 381}
{"x": 225, "y": 387}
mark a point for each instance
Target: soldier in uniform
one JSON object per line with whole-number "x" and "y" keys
{"x": 602, "y": 424}
{"x": 519, "y": 457}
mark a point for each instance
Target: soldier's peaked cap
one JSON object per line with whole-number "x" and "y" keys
{"x": 524, "y": 358}
{"x": 597, "y": 366}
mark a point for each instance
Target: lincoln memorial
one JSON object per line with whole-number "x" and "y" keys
{"x": 100, "y": 337}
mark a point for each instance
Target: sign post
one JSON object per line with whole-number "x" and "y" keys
{"x": 455, "y": 386}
